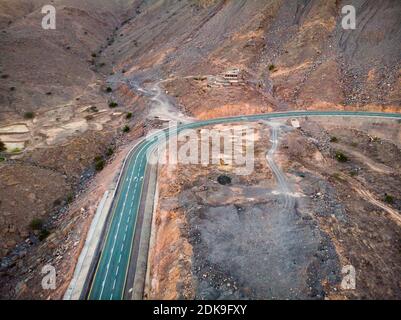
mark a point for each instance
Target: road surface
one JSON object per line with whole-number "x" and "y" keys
{"x": 110, "y": 277}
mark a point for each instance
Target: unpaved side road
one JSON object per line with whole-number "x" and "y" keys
{"x": 282, "y": 184}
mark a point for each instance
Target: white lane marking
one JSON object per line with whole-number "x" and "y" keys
{"x": 129, "y": 214}
{"x": 119, "y": 223}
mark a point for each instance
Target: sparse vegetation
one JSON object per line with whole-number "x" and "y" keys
{"x": 29, "y": 115}
{"x": 48, "y": 93}
{"x": 44, "y": 233}
{"x": 99, "y": 165}
{"x": 126, "y": 129}
{"x": 2, "y": 159}
{"x": 70, "y": 198}
{"x": 5, "y": 76}
{"x": 388, "y": 198}
{"x": 16, "y": 150}
{"x": 341, "y": 157}
{"x": 129, "y": 115}
{"x": 109, "y": 152}
{"x": 109, "y": 89}
{"x": 224, "y": 180}
{"x": 12, "y": 88}
{"x": 272, "y": 67}
{"x": 113, "y": 104}
{"x": 93, "y": 109}
{"x": 2, "y": 146}
{"x": 36, "y": 224}
{"x": 93, "y": 55}
{"x": 334, "y": 139}
{"x": 353, "y": 173}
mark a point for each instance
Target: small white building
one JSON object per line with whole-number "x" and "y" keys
{"x": 295, "y": 123}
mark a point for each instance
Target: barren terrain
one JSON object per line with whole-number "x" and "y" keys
{"x": 72, "y": 100}
{"x": 244, "y": 241}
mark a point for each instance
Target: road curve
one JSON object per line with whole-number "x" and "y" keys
{"x": 110, "y": 277}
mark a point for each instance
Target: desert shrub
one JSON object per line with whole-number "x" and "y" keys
{"x": 29, "y": 115}
{"x": 36, "y": 224}
{"x": 93, "y": 55}
{"x": 272, "y": 67}
{"x": 2, "y": 159}
{"x": 223, "y": 179}
{"x": 129, "y": 115}
{"x": 16, "y": 150}
{"x": 334, "y": 139}
{"x": 126, "y": 129}
{"x": 48, "y": 93}
{"x": 2, "y": 146}
{"x": 341, "y": 157}
{"x": 109, "y": 152}
{"x": 12, "y": 88}
{"x": 5, "y": 76}
{"x": 109, "y": 89}
{"x": 99, "y": 165}
{"x": 70, "y": 198}
{"x": 44, "y": 233}
{"x": 113, "y": 104}
{"x": 388, "y": 198}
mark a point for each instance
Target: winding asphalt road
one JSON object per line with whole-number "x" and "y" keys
{"x": 110, "y": 277}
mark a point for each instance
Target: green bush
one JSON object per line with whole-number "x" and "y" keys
{"x": 113, "y": 104}
{"x": 99, "y": 165}
{"x": 2, "y": 146}
{"x": 341, "y": 157}
{"x": 334, "y": 139}
{"x": 223, "y": 179}
{"x": 70, "y": 198}
{"x": 44, "y": 233}
{"x": 389, "y": 199}
{"x": 109, "y": 89}
{"x": 272, "y": 67}
{"x": 109, "y": 152}
{"x": 129, "y": 115}
{"x": 126, "y": 129}
{"x": 29, "y": 115}
{"x": 36, "y": 224}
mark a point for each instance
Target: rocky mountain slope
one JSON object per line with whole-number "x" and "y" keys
{"x": 67, "y": 94}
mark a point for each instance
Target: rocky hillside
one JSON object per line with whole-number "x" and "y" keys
{"x": 66, "y": 94}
